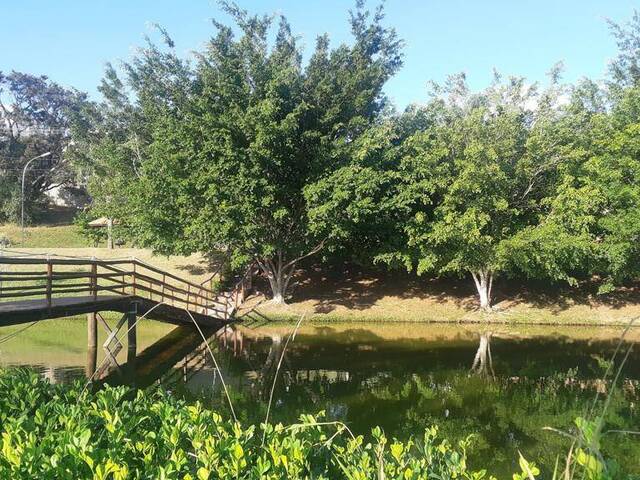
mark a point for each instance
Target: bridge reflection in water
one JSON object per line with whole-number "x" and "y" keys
{"x": 316, "y": 365}
{"x": 506, "y": 384}
{"x": 247, "y": 359}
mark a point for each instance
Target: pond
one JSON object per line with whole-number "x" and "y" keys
{"x": 402, "y": 377}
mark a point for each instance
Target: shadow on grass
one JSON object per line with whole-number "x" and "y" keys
{"x": 56, "y": 216}
{"x": 557, "y": 297}
{"x": 357, "y": 288}
{"x": 211, "y": 264}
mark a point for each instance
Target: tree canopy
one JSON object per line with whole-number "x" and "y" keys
{"x": 218, "y": 154}
{"x": 252, "y": 150}
{"x": 34, "y": 120}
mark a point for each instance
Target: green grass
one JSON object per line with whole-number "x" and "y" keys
{"x": 430, "y": 310}
{"x": 346, "y": 296}
{"x": 44, "y": 236}
{"x": 454, "y": 315}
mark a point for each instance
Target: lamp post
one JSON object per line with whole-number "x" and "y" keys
{"x": 24, "y": 173}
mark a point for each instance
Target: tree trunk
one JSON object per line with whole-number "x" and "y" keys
{"x": 110, "y": 234}
{"x": 484, "y": 283}
{"x": 278, "y": 294}
{"x": 279, "y": 273}
{"x": 482, "y": 362}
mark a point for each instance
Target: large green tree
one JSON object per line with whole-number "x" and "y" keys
{"x": 457, "y": 180}
{"x": 591, "y": 227}
{"x": 487, "y": 182}
{"x": 34, "y": 120}
{"x": 219, "y": 154}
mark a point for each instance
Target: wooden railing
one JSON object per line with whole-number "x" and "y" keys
{"x": 48, "y": 277}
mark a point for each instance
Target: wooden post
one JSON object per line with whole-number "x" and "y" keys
{"x": 92, "y": 330}
{"x": 188, "y": 294}
{"x": 164, "y": 281}
{"x": 94, "y": 280}
{"x": 49, "y": 282}
{"x": 110, "y": 233}
{"x": 132, "y": 337}
{"x": 133, "y": 278}
{"x": 92, "y": 344}
{"x": 132, "y": 343}
{"x": 92, "y": 360}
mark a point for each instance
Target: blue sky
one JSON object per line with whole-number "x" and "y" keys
{"x": 71, "y": 40}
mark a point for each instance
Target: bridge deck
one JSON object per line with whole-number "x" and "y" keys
{"x": 24, "y": 311}
{"x": 40, "y": 287}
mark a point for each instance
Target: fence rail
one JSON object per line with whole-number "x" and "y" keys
{"x": 48, "y": 277}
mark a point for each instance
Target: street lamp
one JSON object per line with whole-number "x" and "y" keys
{"x": 24, "y": 172}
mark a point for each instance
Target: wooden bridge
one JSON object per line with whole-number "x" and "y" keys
{"x": 37, "y": 287}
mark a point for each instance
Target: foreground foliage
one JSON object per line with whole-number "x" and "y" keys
{"x": 53, "y": 431}
{"x": 57, "y": 431}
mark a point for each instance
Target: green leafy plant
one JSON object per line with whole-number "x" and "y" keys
{"x": 62, "y": 431}
{"x": 67, "y": 432}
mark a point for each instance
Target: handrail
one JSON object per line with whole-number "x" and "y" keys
{"x": 82, "y": 261}
{"x": 124, "y": 276}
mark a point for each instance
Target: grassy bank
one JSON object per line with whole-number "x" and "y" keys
{"x": 352, "y": 295}
{"x": 453, "y": 315}
{"x": 355, "y": 295}
{"x": 44, "y": 236}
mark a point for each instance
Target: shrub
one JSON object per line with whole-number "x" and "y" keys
{"x": 59, "y": 431}
{"x": 67, "y": 432}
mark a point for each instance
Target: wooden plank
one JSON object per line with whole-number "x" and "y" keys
{"x": 60, "y": 289}
{"x": 24, "y": 311}
{"x": 9, "y": 276}
{"x": 170, "y": 275}
{"x": 58, "y": 261}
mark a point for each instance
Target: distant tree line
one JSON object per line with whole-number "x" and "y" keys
{"x": 35, "y": 118}
{"x": 249, "y": 149}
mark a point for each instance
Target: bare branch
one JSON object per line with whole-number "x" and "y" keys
{"x": 316, "y": 249}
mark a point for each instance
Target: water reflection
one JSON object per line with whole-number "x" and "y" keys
{"x": 483, "y": 362}
{"x": 402, "y": 378}
{"x": 517, "y": 385}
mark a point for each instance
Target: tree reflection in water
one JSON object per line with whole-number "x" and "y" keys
{"x": 483, "y": 362}
{"x": 406, "y": 384}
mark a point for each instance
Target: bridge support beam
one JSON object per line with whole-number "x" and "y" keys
{"x": 132, "y": 336}
{"x": 92, "y": 330}
{"x": 92, "y": 362}
{"x": 92, "y": 344}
